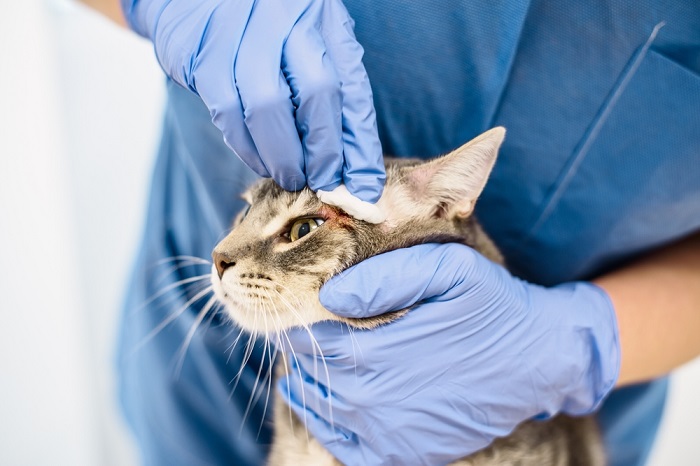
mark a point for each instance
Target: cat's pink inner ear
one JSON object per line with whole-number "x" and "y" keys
{"x": 452, "y": 184}
{"x": 419, "y": 178}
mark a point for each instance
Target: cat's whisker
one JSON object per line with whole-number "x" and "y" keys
{"x": 171, "y": 317}
{"x": 176, "y": 266}
{"x": 249, "y": 347}
{"x": 255, "y": 387}
{"x": 232, "y": 346}
{"x": 249, "y": 351}
{"x": 303, "y": 393}
{"x": 182, "y": 351}
{"x": 193, "y": 260}
{"x": 246, "y": 356}
{"x": 226, "y": 321}
{"x": 179, "y": 262}
{"x": 272, "y": 359}
{"x": 291, "y": 293}
{"x": 170, "y": 287}
{"x": 283, "y": 332}
{"x": 270, "y": 375}
{"x": 306, "y": 327}
{"x": 231, "y": 349}
{"x": 353, "y": 342}
{"x": 267, "y": 380}
{"x": 316, "y": 346}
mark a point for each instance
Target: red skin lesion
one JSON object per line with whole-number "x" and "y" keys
{"x": 335, "y": 217}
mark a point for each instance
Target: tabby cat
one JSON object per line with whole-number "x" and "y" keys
{"x": 269, "y": 269}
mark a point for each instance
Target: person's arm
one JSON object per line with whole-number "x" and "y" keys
{"x": 657, "y": 303}
{"x": 110, "y": 8}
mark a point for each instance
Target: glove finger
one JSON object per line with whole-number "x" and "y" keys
{"x": 316, "y": 95}
{"x": 397, "y": 279}
{"x": 311, "y": 403}
{"x": 324, "y": 338}
{"x": 265, "y": 94}
{"x": 213, "y": 80}
{"x": 364, "y": 172}
{"x": 336, "y": 438}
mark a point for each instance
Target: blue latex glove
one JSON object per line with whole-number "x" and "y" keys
{"x": 283, "y": 80}
{"x": 480, "y": 353}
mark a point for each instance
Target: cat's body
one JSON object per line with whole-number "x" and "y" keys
{"x": 562, "y": 441}
{"x": 269, "y": 269}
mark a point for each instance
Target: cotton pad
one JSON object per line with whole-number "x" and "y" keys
{"x": 361, "y": 210}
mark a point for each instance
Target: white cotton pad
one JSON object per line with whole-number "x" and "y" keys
{"x": 361, "y": 210}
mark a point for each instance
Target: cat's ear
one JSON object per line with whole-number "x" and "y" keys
{"x": 450, "y": 185}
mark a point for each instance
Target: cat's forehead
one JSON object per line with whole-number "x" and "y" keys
{"x": 268, "y": 195}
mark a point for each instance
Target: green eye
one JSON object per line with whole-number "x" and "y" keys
{"x": 303, "y": 227}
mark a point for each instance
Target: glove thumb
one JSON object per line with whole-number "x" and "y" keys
{"x": 397, "y": 279}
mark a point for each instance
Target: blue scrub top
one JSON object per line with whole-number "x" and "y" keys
{"x": 601, "y": 164}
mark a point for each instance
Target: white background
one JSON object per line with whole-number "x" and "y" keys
{"x": 80, "y": 109}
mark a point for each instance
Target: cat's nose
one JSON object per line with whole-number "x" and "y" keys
{"x": 222, "y": 261}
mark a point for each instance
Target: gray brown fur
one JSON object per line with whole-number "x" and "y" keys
{"x": 269, "y": 283}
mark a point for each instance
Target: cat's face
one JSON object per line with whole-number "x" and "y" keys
{"x": 268, "y": 271}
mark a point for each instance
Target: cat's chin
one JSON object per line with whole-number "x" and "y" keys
{"x": 261, "y": 322}
{"x": 258, "y": 323}
{"x": 273, "y": 313}
{"x": 270, "y": 314}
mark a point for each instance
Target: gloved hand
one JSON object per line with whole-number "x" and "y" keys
{"x": 480, "y": 353}
{"x": 272, "y": 72}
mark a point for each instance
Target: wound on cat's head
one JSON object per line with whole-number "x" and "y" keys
{"x": 269, "y": 269}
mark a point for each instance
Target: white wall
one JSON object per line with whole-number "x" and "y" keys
{"x": 80, "y": 111}
{"x": 112, "y": 97}
{"x": 80, "y": 106}
{"x": 678, "y": 443}
{"x": 45, "y": 397}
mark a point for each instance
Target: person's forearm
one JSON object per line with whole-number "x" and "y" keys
{"x": 657, "y": 302}
{"x": 109, "y": 8}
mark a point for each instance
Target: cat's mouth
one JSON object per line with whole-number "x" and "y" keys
{"x": 258, "y": 303}
{"x": 245, "y": 299}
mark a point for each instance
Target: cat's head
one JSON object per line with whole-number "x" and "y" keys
{"x": 269, "y": 269}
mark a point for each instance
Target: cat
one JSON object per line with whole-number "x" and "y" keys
{"x": 269, "y": 269}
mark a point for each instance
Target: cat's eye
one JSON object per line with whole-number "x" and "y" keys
{"x": 303, "y": 227}
{"x": 241, "y": 215}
